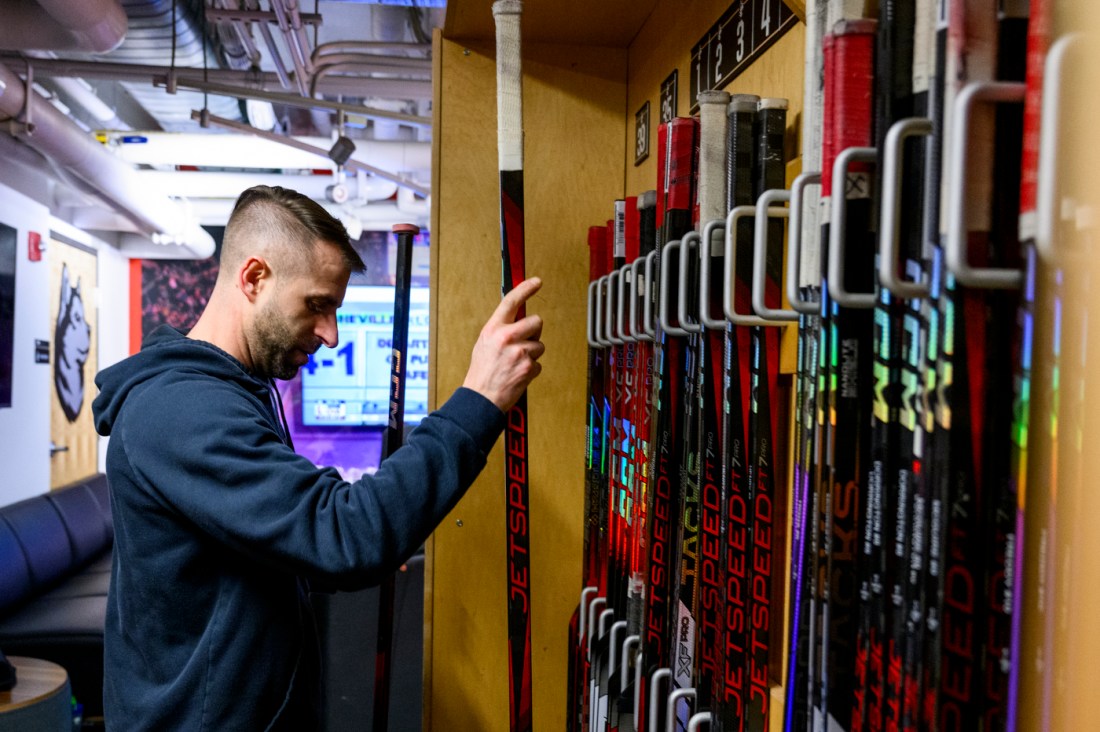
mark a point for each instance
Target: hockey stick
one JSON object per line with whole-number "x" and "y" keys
{"x": 506, "y": 14}
{"x": 392, "y": 439}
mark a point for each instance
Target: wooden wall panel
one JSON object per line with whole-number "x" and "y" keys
{"x": 579, "y": 112}
{"x": 1061, "y": 574}
{"x": 574, "y": 102}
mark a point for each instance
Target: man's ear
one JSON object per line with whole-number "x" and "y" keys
{"x": 253, "y": 276}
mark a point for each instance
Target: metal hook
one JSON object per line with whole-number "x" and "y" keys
{"x": 765, "y": 211}
{"x": 626, "y": 284}
{"x": 705, "y": 256}
{"x": 955, "y": 251}
{"x": 638, "y": 290}
{"x": 648, "y": 304}
{"x": 613, "y": 293}
{"x": 700, "y": 718}
{"x": 673, "y": 699}
{"x": 593, "y": 287}
{"x": 616, "y": 628}
{"x": 838, "y": 229}
{"x": 730, "y": 280}
{"x": 889, "y": 218}
{"x": 628, "y": 643}
{"x": 654, "y": 682}
{"x": 592, "y": 620}
{"x": 1047, "y": 193}
{"x": 599, "y": 335}
{"x": 585, "y": 594}
{"x": 794, "y": 245}
{"x": 689, "y": 242}
{"x": 663, "y": 304}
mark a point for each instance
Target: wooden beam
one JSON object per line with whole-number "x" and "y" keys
{"x": 798, "y": 7}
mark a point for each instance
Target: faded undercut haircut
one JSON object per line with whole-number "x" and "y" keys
{"x": 284, "y": 226}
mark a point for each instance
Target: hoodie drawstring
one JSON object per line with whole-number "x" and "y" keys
{"x": 277, "y": 405}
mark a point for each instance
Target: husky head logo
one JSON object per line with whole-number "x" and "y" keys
{"x": 72, "y": 339}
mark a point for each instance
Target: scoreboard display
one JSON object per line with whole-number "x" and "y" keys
{"x": 350, "y": 385}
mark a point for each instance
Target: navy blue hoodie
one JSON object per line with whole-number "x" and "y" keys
{"x": 219, "y": 526}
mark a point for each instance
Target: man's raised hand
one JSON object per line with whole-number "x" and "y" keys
{"x": 505, "y": 358}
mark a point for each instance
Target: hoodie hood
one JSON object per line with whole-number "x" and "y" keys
{"x": 166, "y": 352}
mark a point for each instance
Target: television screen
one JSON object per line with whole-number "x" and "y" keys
{"x": 350, "y": 385}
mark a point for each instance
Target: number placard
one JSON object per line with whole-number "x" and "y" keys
{"x": 669, "y": 92}
{"x": 641, "y": 134}
{"x": 739, "y": 37}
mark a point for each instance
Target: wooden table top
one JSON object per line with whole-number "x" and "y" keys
{"x": 35, "y": 680}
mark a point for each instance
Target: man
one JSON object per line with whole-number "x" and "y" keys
{"x": 220, "y": 526}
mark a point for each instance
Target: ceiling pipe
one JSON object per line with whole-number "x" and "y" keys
{"x": 243, "y": 84}
{"x": 203, "y": 149}
{"x": 379, "y": 216}
{"x": 136, "y": 246}
{"x": 408, "y": 203}
{"x": 332, "y": 47}
{"x": 60, "y": 140}
{"x": 412, "y": 120}
{"x": 81, "y": 93}
{"x": 351, "y": 164}
{"x": 269, "y": 41}
{"x": 97, "y": 26}
{"x": 364, "y": 65}
{"x": 301, "y": 78}
{"x": 201, "y": 184}
{"x": 223, "y": 13}
{"x": 27, "y": 171}
{"x": 299, "y": 32}
{"x": 393, "y": 64}
{"x": 243, "y": 54}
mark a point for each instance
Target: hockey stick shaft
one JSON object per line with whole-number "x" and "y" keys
{"x": 507, "y": 13}
{"x": 392, "y": 440}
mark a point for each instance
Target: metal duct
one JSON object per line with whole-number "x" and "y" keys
{"x": 196, "y": 184}
{"x": 59, "y": 139}
{"x": 149, "y": 41}
{"x": 97, "y": 26}
{"x": 238, "y": 151}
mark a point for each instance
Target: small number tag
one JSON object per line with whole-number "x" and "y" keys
{"x": 641, "y": 134}
{"x": 669, "y": 91}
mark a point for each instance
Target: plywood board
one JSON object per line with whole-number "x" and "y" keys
{"x": 574, "y": 102}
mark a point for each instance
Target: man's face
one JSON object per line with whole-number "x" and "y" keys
{"x": 299, "y": 315}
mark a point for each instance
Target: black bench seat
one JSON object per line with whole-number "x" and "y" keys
{"x": 54, "y": 575}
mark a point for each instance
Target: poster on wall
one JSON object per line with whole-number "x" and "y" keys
{"x": 174, "y": 292}
{"x": 73, "y": 314}
{"x": 7, "y": 311}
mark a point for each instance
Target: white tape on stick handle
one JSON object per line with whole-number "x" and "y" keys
{"x": 507, "y": 13}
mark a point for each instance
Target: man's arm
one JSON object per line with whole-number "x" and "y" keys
{"x": 236, "y": 481}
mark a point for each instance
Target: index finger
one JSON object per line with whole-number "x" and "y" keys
{"x": 510, "y": 304}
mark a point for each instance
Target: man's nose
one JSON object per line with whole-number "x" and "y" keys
{"x": 327, "y": 331}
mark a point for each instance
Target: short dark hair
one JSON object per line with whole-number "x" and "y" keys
{"x": 287, "y": 217}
